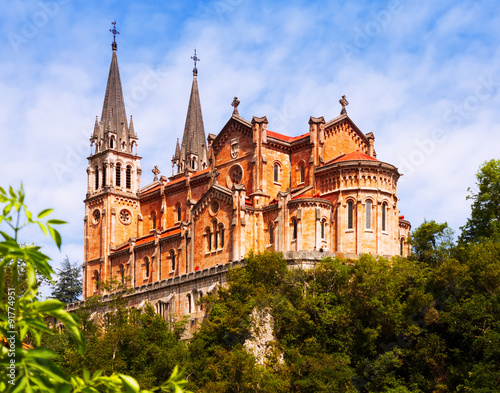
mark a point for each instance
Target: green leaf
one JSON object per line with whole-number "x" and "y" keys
{"x": 130, "y": 383}
{"x": 44, "y": 213}
{"x": 56, "y": 222}
{"x": 49, "y": 305}
{"x": 55, "y": 236}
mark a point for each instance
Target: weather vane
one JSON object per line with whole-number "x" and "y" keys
{"x": 195, "y": 59}
{"x": 114, "y": 32}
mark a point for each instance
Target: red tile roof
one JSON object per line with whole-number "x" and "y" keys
{"x": 144, "y": 240}
{"x": 170, "y": 232}
{"x": 285, "y": 137}
{"x": 354, "y": 156}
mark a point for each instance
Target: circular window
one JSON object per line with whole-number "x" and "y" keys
{"x": 125, "y": 217}
{"x": 214, "y": 207}
{"x": 96, "y": 216}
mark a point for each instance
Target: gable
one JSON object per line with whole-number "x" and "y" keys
{"x": 342, "y": 136}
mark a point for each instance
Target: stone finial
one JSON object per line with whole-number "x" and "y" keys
{"x": 235, "y": 104}
{"x": 156, "y": 172}
{"x": 343, "y": 101}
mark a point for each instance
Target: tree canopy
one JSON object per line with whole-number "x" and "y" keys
{"x": 484, "y": 222}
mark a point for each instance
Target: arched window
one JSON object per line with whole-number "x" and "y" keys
{"x": 128, "y": 177}
{"x": 302, "y": 171}
{"x": 323, "y": 228}
{"x": 276, "y": 173}
{"x": 96, "y": 177}
{"x": 153, "y": 219}
{"x": 368, "y": 214}
{"x": 146, "y": 267}
{"x": 384, "y": 208}
{"x": 122, "y": 274}
{"x": 118, "y": 175}
{"x": 111, "y": 143}
{"x": 189, "y": 303}
{"x": 350, "y": 208}
{"x": 221, "y": 235}
{"x": 271, "y": 234}
{"x": 104, "y": 174}
{"x": 294, "y": 233}
{"x": 178, "y": 212}
{"x": 172, "y": 257}
{"x": 193, "y": 163}
{"x": 401, "y": 246}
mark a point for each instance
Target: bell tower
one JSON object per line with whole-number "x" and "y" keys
{"x": 113, "y": 180}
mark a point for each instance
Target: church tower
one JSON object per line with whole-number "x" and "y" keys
{"x": 193, "y": 153}
{"x": 113, "y": 181}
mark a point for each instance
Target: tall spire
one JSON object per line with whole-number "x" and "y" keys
{"x": 194, "y": 148}
{"x": 113, "y": 116}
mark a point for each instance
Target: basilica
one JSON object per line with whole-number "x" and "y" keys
{"x": 321, "y": 193}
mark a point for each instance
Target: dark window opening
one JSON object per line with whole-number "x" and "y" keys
{"x": 350, "y": 208}
{"x": 118, "y": 175}
{"x": 96, "y": 178}
{"x": 128, "y": 177}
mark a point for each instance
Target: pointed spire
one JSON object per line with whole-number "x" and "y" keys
{"x": 131, "y": 130}
{"x": 177, "y": 154}
{"x": 193, "y": 147}
{"x": 96, "y": 128}
{"x": 113, "y": 109}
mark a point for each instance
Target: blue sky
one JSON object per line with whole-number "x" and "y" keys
{"x": 422, "y": 76}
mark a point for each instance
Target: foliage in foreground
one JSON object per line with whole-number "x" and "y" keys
{"x": 370, "y": 325}
{"x": 23, "y": 319}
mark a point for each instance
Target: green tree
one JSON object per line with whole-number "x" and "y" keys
{"x": 68, "y": 286}
{"x": 431, "y": 242}
{"x": 484, "y": 222}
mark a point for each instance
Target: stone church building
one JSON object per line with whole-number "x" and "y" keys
{"x": 321, "y": 193}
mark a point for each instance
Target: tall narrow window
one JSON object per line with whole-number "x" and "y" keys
{"x": 96, "y": 280}
{"x": 221, "y": 230}
{"x": 128, "y": 177}
{"x": 111, "y": 143}
{"x": 179, "y": 212}
{"x": 172, "y": 257}
{"x": 96, "y": 178}
{"x": 122, "y": 274}
{"x": 383, "y": 216}
{"x": 294, "y": 223}
{"x": 271, "y": 234}
{"x": 209, "y": 239}
{"x": 401, "y": 247}
{"x": 146, "y": 267}
{"x": 118, "y": 175}
{"x": 189, "y": 303}
{"x": 104, "y": 174}
{"x": 276, "y": 172}
{"x": 216, "y": 235}
{"x": 349, "y": 214}
{"x": 153, "y": 219}
{"x": 302, "y": 171}
{"x": 368, "y": 214}
{"x": 322, "y": 229}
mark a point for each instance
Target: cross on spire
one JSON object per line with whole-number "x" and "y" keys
{"x": 195, "y": 59}
{"x": 114, "y": 32}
